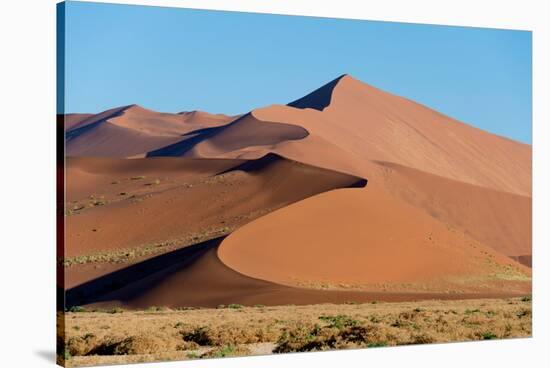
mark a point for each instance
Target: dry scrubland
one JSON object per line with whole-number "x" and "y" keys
{"x": 121, "y": 336}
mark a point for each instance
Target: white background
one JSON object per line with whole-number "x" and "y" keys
{"x": 27, "y": 180}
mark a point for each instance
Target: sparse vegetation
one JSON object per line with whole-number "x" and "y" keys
{"x": 140, "y": 177}
{"x": 154, "y": 308}
{"x": 123, "y": 255}
{"x": 76, "y": 309}
{"x": 488, "y": 336}
{"x": 164, "y": 335}
{"x": 227, "y": 350}
{"x": 340, "y": 321}
{"x": 377, "y": 344}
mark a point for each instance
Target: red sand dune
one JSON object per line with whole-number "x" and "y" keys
{"x": 71, "y": 120}
{"x": 369, "y": 124}
{"x": 364, "y": 239}
{"x": 498, "y": 219}
{"x": 133, "y": 130}
{"x": 188, "y": 200}
{"x": 243, "y": 135}
{"x": 87, "y": 176}
{"x": 200, "y": 279}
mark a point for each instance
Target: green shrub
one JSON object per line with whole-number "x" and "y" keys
{"x": 339, "y": 321}
{"x": 77, "y": 308}
{"x": 488, "y": 336}
{"x": 377, "y": 344}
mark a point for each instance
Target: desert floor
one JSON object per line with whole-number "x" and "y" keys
{"x": 112, "y": 335}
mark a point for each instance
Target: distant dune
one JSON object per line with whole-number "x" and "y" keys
{"x": 132, "y": 130}
{"x": 349, "y": 189}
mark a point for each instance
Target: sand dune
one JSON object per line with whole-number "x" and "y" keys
{"x": 498, "y": 219}
{"x": 378, "y": 126}
{"x": 132, "y": 130}
{"x": 368, "y": 124}
{"x": 446, "y": 212}
{"x": 364, "y": 239}
{"x": 242, "y": 135}
{"x": 103, "y": 176}
{"x": 195, "y": 277}
{"x": 360, "y": 120}
{"x": 71, "y": 120}
{"x": 201, "y": 118}
{"x": 190, "y": 197}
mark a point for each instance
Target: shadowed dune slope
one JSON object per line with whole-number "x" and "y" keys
{"x": 318, "y": 99}
{"x": 190, "y": 198}
{"x": 364, "y": 238}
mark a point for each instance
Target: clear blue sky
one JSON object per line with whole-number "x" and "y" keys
{"x": 170, "y": 59}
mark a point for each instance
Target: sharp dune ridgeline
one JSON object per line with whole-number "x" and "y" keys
{"x": 348, "y": 193}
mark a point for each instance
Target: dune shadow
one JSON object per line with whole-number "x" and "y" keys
{"x": 318, "y": 99}
{"x": 252, "y": 166}
{"x": 93, "y": 121}
{"x": 156, "y": 268}
{"x": 191, "y": 139}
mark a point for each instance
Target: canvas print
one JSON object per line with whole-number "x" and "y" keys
{"x": 238, "y": 184}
